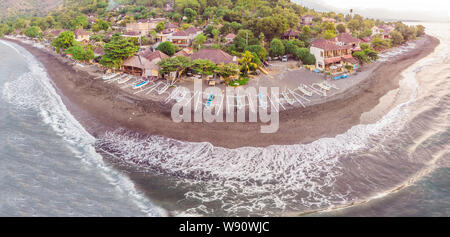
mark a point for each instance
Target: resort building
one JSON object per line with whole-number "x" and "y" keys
{"x": 140, "y": 66}
{"x": 171, "y": 26}
{"x": 143, "y": 26}
{"x": 144, "y": 64}
{"x": 184, "y": 38}
{"x": 376, "y": 30}
{"x": 154, "y": 55}
{"x": 307, "y": 20}
{"x": 216, "y": 56}
{"x": 81, "y": 35}
{"x": 331, "y": 56}
{"x": 346, "y": 39}
{"x": 164, "y": 35}
{"x": 290, "y": 35}
{"x": 383, "y": 30}
{"x": 180, "y": 38}
{"x": 386, "y": 31}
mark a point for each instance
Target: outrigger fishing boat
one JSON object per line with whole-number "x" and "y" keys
{"x": 125, "y": 80}
{"x": 109, "y": 77}
{"x": 140, "y": 85}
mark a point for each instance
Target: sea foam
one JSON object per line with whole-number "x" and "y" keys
{"x": 34, "y": 91}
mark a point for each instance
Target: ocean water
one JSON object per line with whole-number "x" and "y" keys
{"x": 397, "y": 164}
{"x": 48, "y": 162}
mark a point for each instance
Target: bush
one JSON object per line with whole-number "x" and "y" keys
{"x": 260, "y": 51}
{"x": 241, "y": 81}
{"x": 167, "y": 48}
{"x": 309, "y": 59}
{"x": 277, "y": 48}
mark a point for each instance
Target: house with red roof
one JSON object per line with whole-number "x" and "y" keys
{"x": 216, "y": 56}
{"x": 307, "y": 19}
{"x": 332, "y": 56}
{"x": 347, "y": 39}
{"x": 184, "y": 38}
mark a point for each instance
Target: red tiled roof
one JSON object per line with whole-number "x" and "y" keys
{"x": 192, "y": 30}
{"x": 367, "y": 39}
{"x": 351, "y": 60}
{"x": 215, "y": 55}
{"x": 148, "y": 54}
{"x": 171, "y": 26}
{"x": 346, "y": 38}
{"x": 181, "y": 53}
{"x": 332, "y": 60}
{"x": 166, "y": 31}
{"x": 131, "y": 33}
{"x": 347, "y": 56}
{"x": 181, "y": 33}
{"x": 327, "y": 45}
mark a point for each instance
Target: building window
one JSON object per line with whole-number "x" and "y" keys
{"x": 321, "y": 54}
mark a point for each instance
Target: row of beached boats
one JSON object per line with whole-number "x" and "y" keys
{"x": 300, "y": 95}
{"x": 137, "y": 83}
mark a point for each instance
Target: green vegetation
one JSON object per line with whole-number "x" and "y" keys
{"x": 246, "y": 64}
{"x": 33, "y": 32}
{"x": 167, "y": 48}
{"x": 117, "y": 50}
{"x": 258, "y": 26}
{"x": 199, "y": 41}
{"x": 79, "y": 53}
{"x": 277, "y": 48}
{"x": 64, "y": 41}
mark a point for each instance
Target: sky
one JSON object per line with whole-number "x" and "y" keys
{"x": 426, "y": 10}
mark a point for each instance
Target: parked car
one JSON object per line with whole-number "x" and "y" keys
{"x": 284, "y": 58}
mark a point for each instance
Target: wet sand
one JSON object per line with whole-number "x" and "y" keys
{"x": 102, "y": 107}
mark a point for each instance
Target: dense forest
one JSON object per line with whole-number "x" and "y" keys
{"x": 257, "y": 27}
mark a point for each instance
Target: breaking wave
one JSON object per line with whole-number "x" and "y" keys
{"x": 34, "y": 91}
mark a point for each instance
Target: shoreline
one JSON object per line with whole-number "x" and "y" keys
{"x": 101, "y": 107}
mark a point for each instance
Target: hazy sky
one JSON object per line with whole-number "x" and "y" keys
{"x": 394, "y": 9}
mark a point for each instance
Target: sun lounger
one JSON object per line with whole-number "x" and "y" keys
{"x": 109, "y": 77}
{"x": 124, "y": 80}
{"x": 118, "y": 78}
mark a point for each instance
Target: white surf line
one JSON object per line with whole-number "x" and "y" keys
{"x": 429, "y": 165}
{"x": 74, "y": 133}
